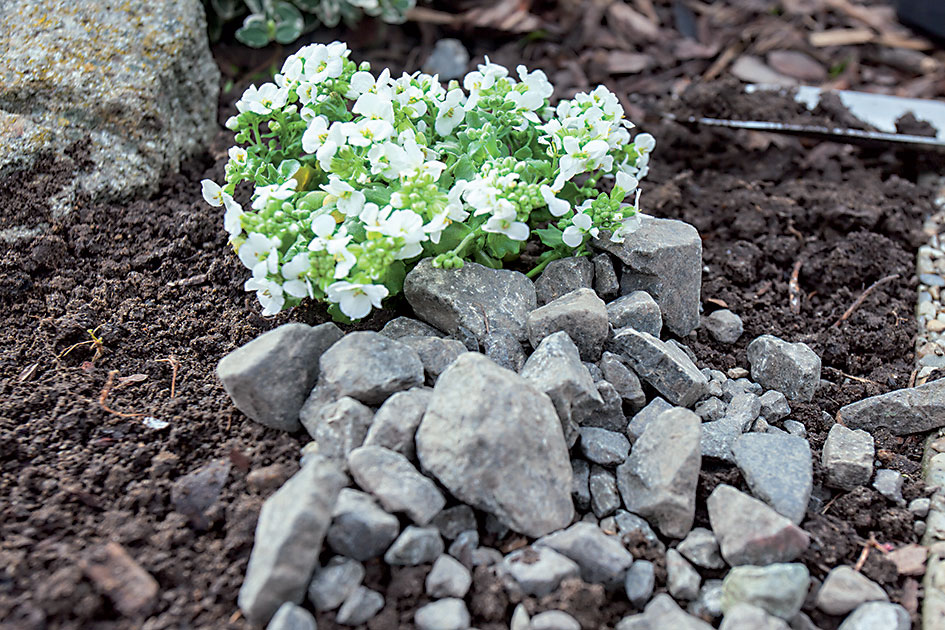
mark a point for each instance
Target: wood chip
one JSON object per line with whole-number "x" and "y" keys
{"x": 132, "y": 589}
{"x": 794, "y": 63}
{"x": 620, "y": 62}
{"x": 841, "y": 37}
{"x": 751, "y": 69}
{"x": 633, "y": 24}
{"x": 511, "y": 16}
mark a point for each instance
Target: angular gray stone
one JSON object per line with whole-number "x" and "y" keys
{"x": 889, "y": 484}
{"x": 702, "y": 549}
{"x": 623, "y": 379}
{"x": 708, "y": 605}
{"x": 774, "y": 406}
{"x": 878, "y": 616}
{"x": 748, "y": 617}
{"x": 443, "y": 614}
{"x": 291, "y": 616}
{"x": 292, "y": 525}
{"x": 453, "y": 521}
{"x": 595, "y": 371}
{"x": 579, "y": 313}
{"x": 483, "y": 429}
{"x": 778, "y": 469}
{"x": 605, "y": 277}
{"x": 415, "y": 545}
{"x": 464, "y": 545}
{"x": 724, "y": 325}
{"x": 795, "y": 428}
{"x": 395, "y": 423}
{"x": 474, "y": 297}
{"x": 409, "y": 327}
{"x": 633, "y": 530}
{"x": 338, "y": 427}
{"x": 580, "y": 484}
{"x": 778, "y": 589}
{"x": 711, "y": 409}
{"x": 360, "y": 607}
{"x": 396, "y": 483}
{"x": 658, "y": 480}
{"x": 750, "y": 532}
{"x": 435, "y": 353}
{"x": 563, "y": 276}
{"x": 360, "y": 529}
{"x": 662, "y": 613}
{"x": 504, "y": 349}
{"x": 637, "y": 310}
{"x": 845, "y": 588}
{"x": 539, "y": 570}
{"x": 607, "y": 414}
{"x": 602, "y": 558}
{"x": 604, "y": 496}
{"x": 520, "y": 619}
{"x": 554, "y": 620}
{"x": 664, "y": 258}
{"x": 332, "y": 584}
{"x": 604, "y": 447}
{"x": 790, "y": 368}
{"x": 639, "y": 582}
{"x": 369, "y": 367}
{"x": 904, "y": 411}
{"x": 848, "y": 457}
{"x": 645, "y": 416}
{"x": 663, "y": 366}
{"x": 270, "y": 377}
{"x": 448, "y": 578}
{"x": 682, "y": 581}
{"x": 718, "y": 437}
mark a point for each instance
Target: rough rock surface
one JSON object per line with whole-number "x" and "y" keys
{"x": 396, "y": 483}
{"x": 844, "y": 589}
{"x": 904, "y": 411}
{"x": 790, "y": 368}
{"x": 539, "y": 570}
{"x": 778, "y": 469}
{"x": 369, "y": 367}
{"x": 779, "y": 589}
{"x": 662, "y": 365}
{"x": 848, "y": 457}
{"x": 360, "y": 529}
{"x": 602, "y": 558}
{"x": 638, "y": 310}
{"x": 563, "y": 276}
{"x": 579, "y": 313}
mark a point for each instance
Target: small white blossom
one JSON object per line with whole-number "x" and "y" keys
{"x": 262, "y": 100}
{"x": 280, "y": 192}
{"x": 257, "y": 249}
{"x": 237, "y": 156}
{"x": 503, "y": 221}
{"x": 407, "y": 225}
{"x": 268, "y": 292}
{"x": 296, "y": 283}
{"x": 374, "y": 106}
{"x": 356, "y": 300}
{"x": 315, "y": 134}
{"x": 557, "y": 207}
{"x": 450, "y": 113}
{"x": 349, "y": 201}
{"x": 573, "y": 235}
{"x": 212, "y": 193}
{"x": 232, "y": 218}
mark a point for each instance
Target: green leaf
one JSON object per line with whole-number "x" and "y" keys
{"x": 449, "y": 240}
{"x": 288, "y": 32}
{"x": 256, "y": 6}
{"x": 379, "y": 195}
{"x": 524, "y": 153}
{"x": 394, "y": 278}
{"x": 311, "y": 201}
{"x": 484, "y": 259}
{"x": 464, "y": 169}
{"x": 335, "y": 311}
{"x": 254, "y": 32}
{"x": 356, "y": 230}
{"x": 550, "y": 236}
{"x": 500, "y": 245}
{"x": 289, "y": 23}
{"x": 307, "y": 5}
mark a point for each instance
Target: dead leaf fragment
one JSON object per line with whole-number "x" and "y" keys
{"x": 751, "y": 69}
{"x": 132, "y": 589}
{"x": 620, "y": 62}
{"x": 632, "y": 24}
{"x": 794, "y": 63}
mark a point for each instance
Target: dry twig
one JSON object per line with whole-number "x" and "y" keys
{"x": 104, "y": 395}
{"x": 175, "y": 364}
{"x": 863, "y": 296}
{"x": 794, "y": 288}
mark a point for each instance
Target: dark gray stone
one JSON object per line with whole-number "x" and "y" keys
{"x": 395, "y": 423}
{"x": 360, "y": 529}
{"x": 602, "y": 558}
{"x": 369, "y": 367}
{"x": 604, "y": 496}
{"x": 338, "y": 427}
{"x": 605, "y": 278}
{"x": 435, "y": 353}
{"x": 604, "y": 447}
{"x": 663, "y": 366}
{"x": 360, "y": 607}
{"x": 638, "y": 311}
{"x": 332, "y": 584}
{"x": 778, "y": 469}
{"x": 539, "y": 570}
{"x": 463, "y": 547}
{"x": 848, "y": 457}
{"x": 904, "y": 411}
{"x": 724, "y": 325}
{"x": 396, "y": 483}
{"x": 623, "y": 379}
{"x": 453, "y": 521}
{"x": 790, "y": 368}
{"x": 415, "y": 545}
{"x": 579, "y": 313}
{"x": 563, "y": 276}
{"x": 607, "y": 414}
{"x": 711, "y": 409}
{"x": 633, "y": 529}
{"x": 503, "y": 348}
{"x": 409, "y": 327}
{"x": 580, "y": 484}
{"x": 774, "y": 406}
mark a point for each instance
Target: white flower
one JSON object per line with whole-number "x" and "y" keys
{"x": 291, "y": 71}
{"x": 237, "y": 155}
{"x": 644, "y": 143}
{"x": 408, "y": 225}
{"x": 337, "y": 138}
{"x": 627, "y": 183}
{"x": 503, "y": 221}
{"x": 557, "y": 207}
{"x": 262, "y": 100}
{"x": 212, "y": 193}
{"x": 483, "y": 79}
{"x": 296, "y": 283}
{"x": 367, "y": 132}
{"x": 373, "y": 217}
{"x": 349, "y": 200}
{"x": 265, "y": 194}
{"x": 315, "y": 134}
{"x": 450, "y": 113}
{"x": 232, "y": 218}
{"x": 374, "y": 106}
{"x": 323, "y": 62}
{"x": 268, "y": 292}
{"x": 355, "y": 299}
{"x": 573, "y": 235}
{"x": 579, "y": 159}
{"x": 257, "y": 249}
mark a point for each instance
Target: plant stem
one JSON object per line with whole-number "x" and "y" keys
{"x": 541, "y": 266}
{"x": 463, "y": 244}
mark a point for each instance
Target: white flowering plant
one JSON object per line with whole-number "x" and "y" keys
{"x": 358, "y": 176}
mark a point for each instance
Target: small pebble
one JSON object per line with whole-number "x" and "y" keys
{"x": 889, "y": 484}
{"x": 931, "y": 280}
{"x": 920, "y": 507}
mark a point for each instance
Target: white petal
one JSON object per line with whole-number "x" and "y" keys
{"x": 355, "y": 305}
{"x": 518, "y": 231}
{"x": 572, "y": 236}
{"x": 212, "y": 193}
{"x": 323, "y": 225}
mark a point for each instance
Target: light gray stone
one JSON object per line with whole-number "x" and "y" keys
{"x": 603, "y": 560}
{"x": 702, "y": 549}
{"x": 607, "y": 414}
{"x": 637, "y": 310}
{"x": 396, "y": 483}
{"x": 415, "y": 545}
{"x": 435, "y": 353}
{"x": 504, "y": 349}
{"x": 634, "y": 529}
{"x": 605, "y": 500}
{"x": 718, "y": 437}
{"x": 520, "y": 619}
{"x": 369, "y": 367}
{"x": 338, "y": 427}
{"x": 845, "y": 588}
{"x": 778, "y": 469}
{"x": 750, "y": 532}
{"x": 790, "y": 368}
{"x": 409, "y": 327}
{"x": 448, "y": 578}
{"x": 623, "y": 379}
{"x": 579, "y": 313}
{"x": 333, "y": 583}
{"x": 453, "y": 521}
{"x": 483, "y": 429}
{"x": 664, "y": 258}
{"x": 878, "y": 616}
{"x": 464, "y": 545}
{"x": 607, "y": 448}
{"x": 554, "y": 620}
{"x": 658, "y": 480}
{"x": 747, "y": 617}
{"x": 795, "y": 428}
{"x": 605, "y": 277}
{"x": 270, "y": 377}
{"x": 889, "y": 484}
{"x": 904, "y": 411}
{"x": 360, "y": 529}
{"x": 848, "y": 457}
{"x": 292, "y": 525}
{"x": 291, "y": 616}
{"x": 778, "y": 589}
{"x": 774, "y": 406}
{"x": 920, "y": 507}
{"x": 663, "y": 366}
{"x": 562, "y": 276}
{"x": 396, "y": 421}
{"x": 711, "y": 409}
{"x": 639, "y": 582}
{"x": 360, "y": 607}
{"x": 708, "y": 605}
{"x": 645, "y": 416}
{"x": 539, "y": 570}
{"x": 448, "y": 59}
{"x": 682, "y": 581}
{"x": 486, "y": 557}
{"x": 595, "y": 371}
{"x": 724, "y": 326}
{"x": 443, "y": 614}
{"x": 662, "y": 613}
{"x": 474, "y": 297}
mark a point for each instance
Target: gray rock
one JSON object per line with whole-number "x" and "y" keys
{"x": 658, "y": 480}
{"x": 604, "y": 447}
{"x": 778, "y": 589}
{"x": 795, "y": 428}
{"x": 711, "y": 409}
{"x": 848, "y": 457}
{"x": 448, "y": 59}
{"x": 486, "y": 557}
{"x": 443, "y": 614}
{"x": 580, "y": 484}
{"x": 604, "y": 496}
{"x": 360, "y": 529}
{"x": 579, "y": 313}
{"x": 503, "y": 348}
{"x": 603, "y": 560}
{"x": 435, "y": 353}
{"x": 607, "y": 414}
{"x": 332, "y": 584}
{"x": 195, "y": 493}
{"x": 709, "y": 603}
{"x": 750, "y": 532}
{"x": 645, "y": 416}
{"x": 845, "y": 588}
{"x": 633, "y": 530}
{"x": 660, "y": 614}
{"x": 395, "y": 423}
{"x": 623, "y": 379}
{"x": 685, "y": 350}
{"x": 369, "y": 367}
{"x": 920, "y": 507}
{"x": 790, "y": 368}
{"x": 904, "y": 411}
{"x": 774, "y": 406}
{"x": 396, "y": 483}
{"x": 638, "y": 311}
{"x": 778, "y": 469}
{"x": 520, "y": 619}
{"x": 539, "y": 570}
{"x": 682, "y": 581}
{"x": 595, "y": 371}
{"x": 605, "y": 278}
{"x": 474, "y": 297}
{"x": 463, "y": 547}
{"x": 360, "y": 607}
{"x": 448, "y": 578}
{"x": 338, "y": 427}
{"x": 453, "y": 521}
{"x": 562, "y": 276}
{"x": 724, "y": 325}
{"x": 483, "y": 429}
{"x": 415, "y": 545}
{"x": 742, "y": 410}
{"x": 878, "y": 616}
{"x": 702, "y": 549}
{"x": 663, "y": 366}
{"x": 409, "y": 327}
{"x": 292, "y": 525}
{"x": 639, "y": 582}
{"x": 291, "y": 616}
{"x": 718, "y": 437}
{"x": 889, "y": 484}
{"x": 554, "y": 620}
{"x": 748, "y": 617}
{"x": 270, "y": 377}
{"x": 664, "y": 258}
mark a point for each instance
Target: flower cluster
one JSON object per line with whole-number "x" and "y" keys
{"x": 356, "y": 177}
